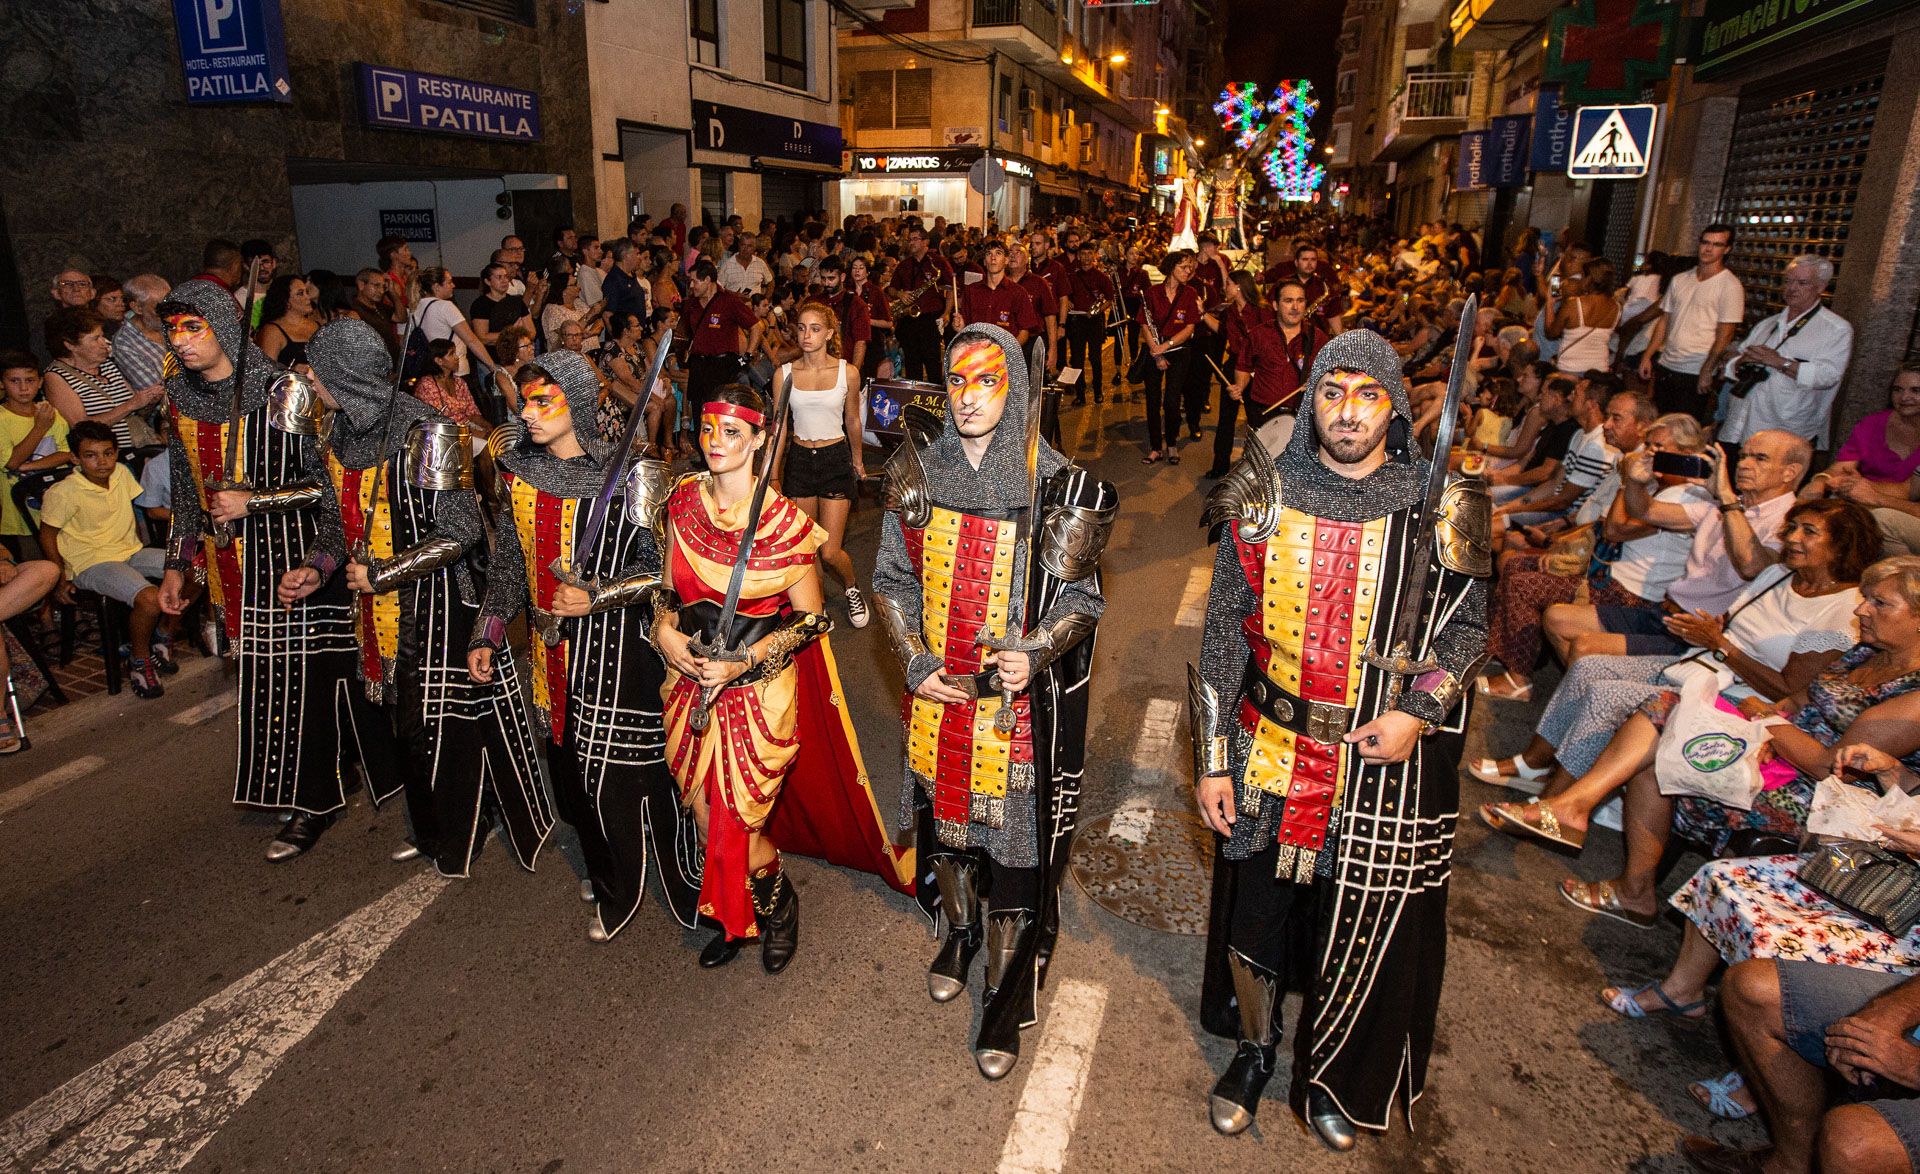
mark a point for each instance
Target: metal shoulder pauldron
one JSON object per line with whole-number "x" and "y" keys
{"x": 294, "y": 406}
{"x": 438, "y": 455}
{"x": 1463, "y": 528}
{"x": 1077, "y": 520}
{"x": 1248, "y": 496}
{"x": 906, "y": 492}
{"x": 649, "y": 484}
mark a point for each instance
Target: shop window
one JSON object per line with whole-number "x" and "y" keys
{"x": 786, "y": 34}
{"x": 893, "y": 99}
{"x": 714, "y": 204}
{"x": 703, "y": 25}
{"x": 517, "y": 11}
{"x": 1793, "y": 172}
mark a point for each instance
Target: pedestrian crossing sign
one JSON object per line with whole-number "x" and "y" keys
{"x": 1611, "y": 142}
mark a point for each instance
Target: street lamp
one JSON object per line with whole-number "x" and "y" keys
{"x": 1117, "y": 59}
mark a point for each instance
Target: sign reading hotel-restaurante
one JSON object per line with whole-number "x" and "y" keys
{"x": 402, "y": 99}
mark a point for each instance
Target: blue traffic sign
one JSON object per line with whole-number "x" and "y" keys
{"x": 1611, "y": 142}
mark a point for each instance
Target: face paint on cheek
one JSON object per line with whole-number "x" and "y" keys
{"x": 1353, "y": 403}
{"x": 979, "y": 366}
{"x": 186, "y": 328}
{"x": 549, "y": 406}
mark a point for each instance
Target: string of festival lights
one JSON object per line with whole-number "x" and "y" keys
{"x": 1290, "y": 165}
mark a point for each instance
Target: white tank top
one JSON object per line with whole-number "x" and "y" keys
{"x": 1584, "y": 348}
{"x": 819, "y": 415}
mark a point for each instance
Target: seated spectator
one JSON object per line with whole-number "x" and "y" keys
{"x": 1591, "y": 459}
{"x": 33, "y": 440}
{"x": 1553, "y": 435}
{"x": 83, "y": 382}
{"x": 558, "y": 308}
{"x": 110, "y": 302}
{"x": 156, "y": 490}
{"x": 1736, "y": 535}
{"x": 1529, "y": 583}
{"x": 23, "y": 584}
{"x": 1791, "y": 624}
{"x": 1793, "y": 1021}
{"x": 1883, "y": 449}
{"x": 141, "y": 350}
{"x": 87, "y": 523}
{"x": 443, "y": 390}
{"x": 513, "y": 350}
{"x": 289, "y": 320}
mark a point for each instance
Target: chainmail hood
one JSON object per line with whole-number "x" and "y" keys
{"x": 576, "y": 476}
{"x": 354, "y": 365}
{"x": 1308, "y": 485}
{"x": 1000, "y": 483}
{"x": 211, "y": 401}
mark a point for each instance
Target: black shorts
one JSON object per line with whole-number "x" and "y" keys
{"x": 820, "y": 472}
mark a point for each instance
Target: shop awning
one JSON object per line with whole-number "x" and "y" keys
{"x": 763, "y": 163}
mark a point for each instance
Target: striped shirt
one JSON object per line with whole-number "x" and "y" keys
{"x": 99, "y": 394}
{"x": 1589, "y": 459}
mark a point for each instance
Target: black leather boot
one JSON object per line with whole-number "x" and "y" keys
{"x": 776, "y": 906}
{"x": 1012, "y": 955}
{"x": 1236, "y": 1096}
{"x": 299, "y": 834}
{"x": 960, "y": 904}
{"x": 720, "y": 951}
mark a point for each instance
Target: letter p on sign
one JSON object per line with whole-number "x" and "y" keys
{"x": 221, "y": 29}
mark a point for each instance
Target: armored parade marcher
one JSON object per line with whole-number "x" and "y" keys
{"x": 988, "y": 587}
{"x": 594, "y": 680}
{"x": 248, "y": 483}
{"x": 402, "y": 478}
{"x": 1348, "y": 606}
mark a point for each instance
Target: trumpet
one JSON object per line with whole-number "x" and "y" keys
{"x": 907, "y": 305}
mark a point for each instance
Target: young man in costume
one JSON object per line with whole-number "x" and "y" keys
{"x": 247, "y": 516}
{"x": 1341, "y": 626}
{"x": 402, "y": 481}
{"x": 989, "y": 606}
{"x": 595, "y": 682}
{"x": 758, "y": 739}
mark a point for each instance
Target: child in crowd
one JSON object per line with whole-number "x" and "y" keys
{"x": 33, "y": 440}
{"x": 87, "y": 525}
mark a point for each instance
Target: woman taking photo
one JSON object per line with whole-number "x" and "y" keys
{"x": 758, "y": 747}
{"x": 819, "y": 461}
{"x": 287, "y": 320}
{"x": 82, "y": 382}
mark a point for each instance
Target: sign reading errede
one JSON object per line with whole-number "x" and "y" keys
{"x": 232, "y": 50}
{"x": 401, "y": 99}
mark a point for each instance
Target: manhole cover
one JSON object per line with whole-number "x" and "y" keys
{"x": 1153, "y": 868}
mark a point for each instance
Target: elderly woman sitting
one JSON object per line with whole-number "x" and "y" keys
{"x": 1793, "y": 621}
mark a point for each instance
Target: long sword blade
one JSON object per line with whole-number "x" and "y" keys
{"x": 596, "y": 520}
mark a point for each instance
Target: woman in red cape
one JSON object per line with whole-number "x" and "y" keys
{"x": 775, "y": 762}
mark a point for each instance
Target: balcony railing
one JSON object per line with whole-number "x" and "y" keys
{"x": 1037, "y": 16}
{"x": 1428, "y": 106}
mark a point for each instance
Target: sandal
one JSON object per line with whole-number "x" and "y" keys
{"x": 1716, "y": 1096}
{"x": 1152, "y": 458}
{"x": 1511, "y": 818}
{"x": 1521, "y": 693}
{"x": 1502, "y": 772}
{"x": 1625, "y": 1002}
{"x": 1601, "y": 897}
{"x": 1173, "y": 458}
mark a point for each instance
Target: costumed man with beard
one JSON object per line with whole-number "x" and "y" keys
{"x": 595, "y": 683}
{"x": 1347, "y": 609}
{"x": 403, "y": 488}
{"x": 988, "y": 586}
{"x": 248, "y": 485}
{"x": 758, "y": 736}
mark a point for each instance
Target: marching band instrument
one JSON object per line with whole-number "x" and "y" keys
{"x": 907, "y": 305}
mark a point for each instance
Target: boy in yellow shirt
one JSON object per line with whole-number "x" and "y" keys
{"x": 87, "y": 524}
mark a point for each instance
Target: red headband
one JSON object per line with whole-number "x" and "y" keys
{"x": 723, "y": 408}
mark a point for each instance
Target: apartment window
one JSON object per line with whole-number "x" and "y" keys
{"x": 786, "y": 24}
{"x": 893, "y": 99}
{"x": 1006, "y": 102}
{"x": 703, "y": 26}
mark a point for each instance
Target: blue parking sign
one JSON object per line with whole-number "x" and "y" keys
{"x": 1611, "y": 142}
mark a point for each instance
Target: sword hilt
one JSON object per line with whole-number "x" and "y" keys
{"x": 702, "y": 714}
{"x": 1400, "y": 666}
{"x": 222, "y": 532}
{"x": 546, "y": 624}
{"x": 1004, "y": 717}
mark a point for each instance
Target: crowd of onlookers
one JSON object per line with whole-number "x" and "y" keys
{"x": 1726, "y": 602}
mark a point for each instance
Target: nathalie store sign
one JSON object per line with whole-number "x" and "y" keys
{"x": 401, "y": 99}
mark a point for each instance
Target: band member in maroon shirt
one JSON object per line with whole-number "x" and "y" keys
{"x": 861, "y": 281}
{"x": 856, "y": 320}
{"x": 997, "y": 300}
{"x": 722, "y": 328}
{"x": 1045, "y": 303}
{"x": 1273, "y": 350}
{"x": 1134, "y": 283}
{"x": 1174, "y": 311}
{"x": 1326, "y": 300}
{"x": 919, "y": 330}
{"x": 1086, "y": 305}
{"x": 1210, "y": 286}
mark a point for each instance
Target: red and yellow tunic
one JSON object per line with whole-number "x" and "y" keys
{"x": 742, "y": 758}
{"x": 543, "y": 524}
{"x": 1317, "y": 583}
{"x": 205, "y": 444}
{"x": 965, "y": 564}
{"x": 365, "y": 520}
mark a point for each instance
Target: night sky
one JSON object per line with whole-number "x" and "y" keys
{"x": 1267, "y": 40}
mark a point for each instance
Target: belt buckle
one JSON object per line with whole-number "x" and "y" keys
{"x": 1326, "y": 724}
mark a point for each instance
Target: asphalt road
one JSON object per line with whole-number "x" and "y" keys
{"x": 172, "y": 1001}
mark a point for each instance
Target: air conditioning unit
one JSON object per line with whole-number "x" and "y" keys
{"x": 1086, "y": 132}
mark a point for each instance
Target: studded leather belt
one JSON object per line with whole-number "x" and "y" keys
{"x": 1319, "y": 720}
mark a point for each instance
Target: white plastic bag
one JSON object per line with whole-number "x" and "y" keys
{"x": 1708, "y": 752}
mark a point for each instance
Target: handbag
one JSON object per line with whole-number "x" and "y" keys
{"x": 1706, "y": 751}
{"x": 1570, "y": 553}
{"x": 1879, "y": 886}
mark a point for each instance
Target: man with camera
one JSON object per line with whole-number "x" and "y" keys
{"x": 1786, "y": 371}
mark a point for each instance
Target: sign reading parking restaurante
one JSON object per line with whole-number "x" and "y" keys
{"x": 401, "y": 99}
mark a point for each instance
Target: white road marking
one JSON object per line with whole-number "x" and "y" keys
{"x": 1159, "y": 729}
{"x": 59, "y": 776}
{"x": 1043, "y": 1124}
{"x": 1193, "y": 599}
{"x": 152, "y": 1105}
{"x": 193, "y": 715}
